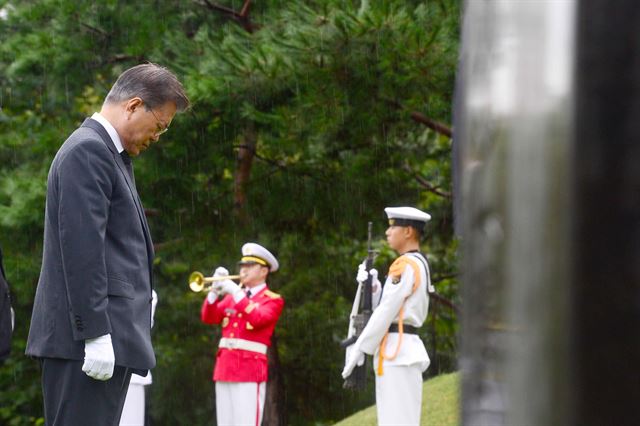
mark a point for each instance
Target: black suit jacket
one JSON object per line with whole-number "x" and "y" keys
{"x": 96, "y": 273}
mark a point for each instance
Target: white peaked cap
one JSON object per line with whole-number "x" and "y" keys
{"x": 255, "y": 253}
{"x": 407, "y": 213}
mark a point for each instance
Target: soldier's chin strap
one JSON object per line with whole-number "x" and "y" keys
{"x": 396, "y": 269}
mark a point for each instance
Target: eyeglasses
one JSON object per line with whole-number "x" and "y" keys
{"x": 159, "y": 129}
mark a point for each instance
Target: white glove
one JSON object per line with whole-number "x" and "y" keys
{"x": 227, "y": 287}
{"x": 375, "y": 282}
{"x": 362, "y": 276}
{"x": 220, "y": 272}
{"x": 362, "y": 273}
{"x": 99, "y": 358}
{"x": 212, "y": 296}
{"x": 214, "y": 291}
{"x": 355, "y": 357}
{"x": 154, "y": 303}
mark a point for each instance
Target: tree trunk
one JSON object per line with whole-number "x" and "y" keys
{"x": 274, "y": 414}
{"x": 244, "y": 161}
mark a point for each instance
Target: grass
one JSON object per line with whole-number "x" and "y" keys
{"x": 440, "y": 404}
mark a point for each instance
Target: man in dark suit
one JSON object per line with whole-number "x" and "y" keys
{"x": 91, "y": 318}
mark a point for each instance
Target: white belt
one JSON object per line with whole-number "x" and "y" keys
{"x": 247, "y": 345}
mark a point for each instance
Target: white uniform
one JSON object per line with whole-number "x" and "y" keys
{"x": 399, "y": 387}
{"x": 134, "y": 404}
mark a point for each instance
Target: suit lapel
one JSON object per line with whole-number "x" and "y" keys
{"x": 97, "y": 127}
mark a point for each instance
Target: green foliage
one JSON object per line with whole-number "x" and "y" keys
{"x": 21, "y": 396}
{"x": 326, "y": 88}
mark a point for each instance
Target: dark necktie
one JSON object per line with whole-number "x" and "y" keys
{"x": 249, "y": 294}
{"x": 126, "y": 159}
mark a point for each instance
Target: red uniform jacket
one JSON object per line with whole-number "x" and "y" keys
{"x": 250, "y": 319}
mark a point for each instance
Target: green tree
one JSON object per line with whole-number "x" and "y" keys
{"x": 308, "y": 119}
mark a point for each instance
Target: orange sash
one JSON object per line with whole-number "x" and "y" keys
{"x": 395, "y": 272}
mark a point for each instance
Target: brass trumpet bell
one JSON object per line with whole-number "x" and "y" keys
{"x": 198, "y": 282}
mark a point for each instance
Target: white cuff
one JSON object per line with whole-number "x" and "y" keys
{"x": 104, "y": 339}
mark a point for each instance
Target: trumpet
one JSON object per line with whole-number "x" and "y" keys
{"x": 197, "y": 281}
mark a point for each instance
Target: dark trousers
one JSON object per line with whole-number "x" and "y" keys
{"x": 73, "y": 398}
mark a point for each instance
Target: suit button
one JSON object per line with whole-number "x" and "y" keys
{"x": 235, "y": 324}
{"x": 240, "y": 315}
{"x": 230, "y": 334}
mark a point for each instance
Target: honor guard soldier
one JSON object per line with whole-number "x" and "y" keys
{"x": 133, "y": 412}
{"x": 391, "y": 334}
{"x": 248, "y": 315}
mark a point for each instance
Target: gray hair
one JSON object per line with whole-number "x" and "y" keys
{"x": 152, "y": 83}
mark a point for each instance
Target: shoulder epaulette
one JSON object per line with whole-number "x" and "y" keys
{"x": 271, "y": 294}
{"x": 397, "y": 267}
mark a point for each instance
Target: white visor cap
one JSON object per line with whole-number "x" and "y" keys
{"x": 255, "y": 253}
{"x": 407, "y": 216}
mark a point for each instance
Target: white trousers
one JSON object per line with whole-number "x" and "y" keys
{"x": 240, "y": 403}
{"x": 399, "y": 395}
{"x": 133, "y": 411}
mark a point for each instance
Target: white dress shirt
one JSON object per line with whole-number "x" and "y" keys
{"x": 254, "y": 290}
{"x": 110, "y": 129}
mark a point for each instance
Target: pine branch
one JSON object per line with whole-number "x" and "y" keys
{"x": 444, "y": 277}
{"x": 425, "y": 183}
{"x": 245, "y": 8}
{"x": 96, "y": 30}
{"x": 444, "y": 301}
{"x": 151, "y": 212}
{"x": 419, "y": 117}
{"x": 279, "y": 164}
{"x": 121, "y": 57}
{"x": 241, "y": 18}
{"x": 167, "y": 244}
{"x": 432, "y": 124}
{"x": 441, "y": 299}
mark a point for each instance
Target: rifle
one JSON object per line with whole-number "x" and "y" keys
{"x": 362, "y": 303}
